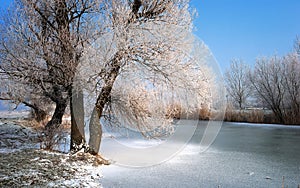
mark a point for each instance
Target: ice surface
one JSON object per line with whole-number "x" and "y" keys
{"x": 243, "y": 155}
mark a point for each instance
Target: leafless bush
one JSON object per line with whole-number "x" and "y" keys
{"x": 51, "y": 139}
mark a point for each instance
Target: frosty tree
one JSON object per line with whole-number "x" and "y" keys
{"x": 41, "y": 44}
{"x": 269, "y": 84}
{"x": 291, "y": 76}
{"x": 142, "y": 67}
{"x": 277, "y": 83}
{"x": 133, "y": 60}
{"x": 237, "y": 82}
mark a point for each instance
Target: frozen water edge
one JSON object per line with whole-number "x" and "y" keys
{"x": 265, "y": 126}
{"x": 14, "y": 114}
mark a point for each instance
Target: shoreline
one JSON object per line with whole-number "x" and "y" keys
{"x": 16, "y": 115}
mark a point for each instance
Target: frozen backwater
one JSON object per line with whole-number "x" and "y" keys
{"x": 243, "y": 155}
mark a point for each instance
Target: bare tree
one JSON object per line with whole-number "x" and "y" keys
{"x": 291, "y": 76}
{"x": 297, "y": 45}
{"x": 41, "y": 45}
{"x": 268, "y": 81}
{"x": 237, "y": 82}
{"x": 277, "y": 83}
{"x": 142, "y": 66}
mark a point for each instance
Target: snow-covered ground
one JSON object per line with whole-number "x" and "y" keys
{"x": 38, "y": 168}
{"x": 23, "y": 164}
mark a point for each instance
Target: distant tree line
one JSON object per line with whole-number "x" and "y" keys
{"x": 273, "y": 83}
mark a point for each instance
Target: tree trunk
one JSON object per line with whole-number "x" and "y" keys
{"x": 102, "y": 100}
{"x": 56, "y": 119}
{"x": 77, "y": 121}
{"x": 278, "y": 114}
{"x": 95, "y": 132}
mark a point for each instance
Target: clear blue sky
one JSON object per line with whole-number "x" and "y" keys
{"x": 247, "y": 29}
{"x": 244, "y": 29}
